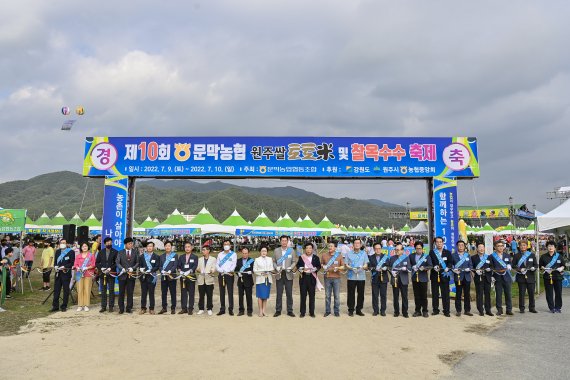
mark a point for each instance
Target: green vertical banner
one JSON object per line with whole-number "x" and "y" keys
{"x": 12, "y": 221}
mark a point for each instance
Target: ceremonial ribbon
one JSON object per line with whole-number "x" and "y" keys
{"x": 309, "y": 265}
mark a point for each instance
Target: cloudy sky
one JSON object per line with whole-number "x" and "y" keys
{"x": 499, "y": 71}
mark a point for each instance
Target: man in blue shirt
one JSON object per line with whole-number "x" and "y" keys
{"x": 356, "y": 262}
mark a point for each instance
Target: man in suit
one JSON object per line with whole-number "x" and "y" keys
{"x": 481, "y": 263}
{"x": 462, "y": 267}
{"x": 206, "y": 270}
{"x": 127, "y": 264}
{"x": 421, "y": 263}
{"x": 284, "y": 261}
{"x": 64, "y": 259}
{"x": 501, "y": 263}
{"x": 225, "y": 266}
{"x": 149, "y": 264}
{"x": 552, "y": 263}
{"x": 525, "y": 264}
{"x": 105, "y": 264}
{"x": 244, "y": 270}
{"x": 187, "y": 265}
{"x": 379, "y": 275}
{"x": 308, "y": 265}
{"x": 168, "y": 265}
{"x": 400, "y": 267}
{"x": 440, "y": 277}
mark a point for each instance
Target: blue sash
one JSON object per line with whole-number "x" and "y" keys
{"x": 247, "y": 263}
{"x": 284, "y": 257}
{"x": 482, "y": 262}
{"x": 226, "y": 258}
{"x": 421, "y": 261}
{"x": 147, "y": 258}
{"x": 553, "y": 261}
{"x": 333, "y": 259}
{"x": 523, "y": 259}
{"x": 167, "y": 260}
{"x": 441, "y": 263}
{"x": 399, "y": 260}
{"x": 502, "y": 264}
{"x": 463, "y": 259}
{"x": 63, "y": 254}
{"x": 382, "y": 261}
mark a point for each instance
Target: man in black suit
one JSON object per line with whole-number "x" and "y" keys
{"x": 483, "y": 278}
{"x": 244, "y": 270}
{"x": 127, "y": 264}
{"x": 379, "y": 279}
{"x": 105, "y": 263}
{"x": 308, "y": 265}
{"x": 187, "y": 265}
{"x": 440, "y": 275}
{"x": 64, "y": 259}
{"x": 168, "y": 266}
{"x": 149, "y": 264}
{"x": 525, "y": 264}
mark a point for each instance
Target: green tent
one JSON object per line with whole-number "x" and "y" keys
{"x": 326, "y": 223}
{"x": 59, "y": 220}
{"x": 76, "y": 220}
{"x": 286, "y": 222}
{"x": 234, "y": 220}
{"x": 175, "y": 219}
{"x": 307, "y": 223}
{"x": 43, "y": 220}
{"x": 148, "y": 223}
{"x": 204, "y": 217}
{"x": 262, "y": 221}
{"x": 92, "y": 222}
{"x": 29, "y": 220}
{"x": 368, "y": 229}
{"x": 406, "y": 228}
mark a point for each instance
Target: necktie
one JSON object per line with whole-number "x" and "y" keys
{"x": 129, "y": 255}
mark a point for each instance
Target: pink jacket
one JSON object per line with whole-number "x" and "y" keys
{"x": 91, "y": 263}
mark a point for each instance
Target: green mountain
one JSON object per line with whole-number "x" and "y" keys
{"x": 69, "y": 192}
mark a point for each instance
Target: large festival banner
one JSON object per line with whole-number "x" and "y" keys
{"x": 445, "y": 211}
{"x": 115, "y": 210}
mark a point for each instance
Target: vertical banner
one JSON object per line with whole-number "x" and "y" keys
{"x": 445, "y": 210}
{"x": 115, "y": 210}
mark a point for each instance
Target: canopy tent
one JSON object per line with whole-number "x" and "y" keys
{"x": 420, "y": 229}
{"x": 286, "y": 222}
{"x": 92, "y": 221}
{"x": 148, "y": 223}
{"x": 76, "y": 220}
{"x": 43, "y": 220}
{"x": 175, "y": 219}
{"x": 235, "y": 219}
{"x": 487, "y": 229}
{"x": 559, "y": 218}
{"x": 262, "y": 221}
{"x": 509, "y": 229}
{"x": 59, "y": 220}
{"x": 307, "y": 223}
{"x": 204, "y": 217}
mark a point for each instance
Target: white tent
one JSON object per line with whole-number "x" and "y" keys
{"x": 555, "y": 219}
{"x": 420, "y": 229}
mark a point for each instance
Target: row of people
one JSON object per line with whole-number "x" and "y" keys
{"x": 438, "y": 266}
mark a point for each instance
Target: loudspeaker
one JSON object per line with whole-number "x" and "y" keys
{"x": 82, "y": 233}
{"x": 69, "y": 233}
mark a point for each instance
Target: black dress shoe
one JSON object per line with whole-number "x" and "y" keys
{"x": 102, "y": 310}
{"x": 190, "y": 312}
{"x": 121, "y": 311}
{"x": 396, "y": 314}
{"x": 312, "y": 315}
{"x": 406, "y": 315}
{"x": 426, "y": 314}
{"x": 481, "y": 313}
{"x": 173, "y": 311}
{"x": 417, "y": 314}
{"x": 53, "y": 310}
{"x": 533, "y": 311}
{"x": 276, "y": 314}
{"x": 249, "y": 314}
{"x": 302, "y": 316}
{"x": 63, "y": 309}
{"x": 375, "y": 314}
{"x": 337, "y": 314}
{"x": 383, "y": 313}
{"x": 231, "y": 312}
{"x": 291, "y": 314}
{"x": 130, "y": 311}
{"x": 240, "y": 314}
{"x": 510, "y": 313}
{"x": 327, "y": 314}
{"x": 359, "y": 313}
{"x": 183, "y": 311}
{"x": 447, "y": 314}
{"x": 350, "y": 314}
{"x": 490, "y": 314}
{"x": 434, "y": 312}
{"x": 521, "y": 311}
{"x": 468, "y": 313}
{"x": 162, "y": 311}
{"x": 111, "y": 310}
{"x": 221, "y": 312}
{"x": 458, "y": 314}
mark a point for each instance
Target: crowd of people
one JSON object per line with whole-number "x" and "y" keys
{"x": 398, "y": 266}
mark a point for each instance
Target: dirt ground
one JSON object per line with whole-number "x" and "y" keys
{"x": 94, "y": 345}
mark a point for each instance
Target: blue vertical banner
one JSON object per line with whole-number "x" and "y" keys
{"x": 446, "y": 211}
{"x": 115, "y": 210}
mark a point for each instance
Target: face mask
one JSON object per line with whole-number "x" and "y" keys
{"x": 62, "y": 246}
{"x": 227, "y": 247}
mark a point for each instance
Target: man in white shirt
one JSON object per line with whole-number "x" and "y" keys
{"x": 225, "y": 266}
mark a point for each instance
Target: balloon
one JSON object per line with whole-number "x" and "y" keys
{"x": 79, "y": 110}
{"x": 65, "y": 110}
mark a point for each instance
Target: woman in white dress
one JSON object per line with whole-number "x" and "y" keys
{"x": 263, "y": 268}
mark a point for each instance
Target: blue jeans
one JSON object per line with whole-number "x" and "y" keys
{"x": 332, "y": 285}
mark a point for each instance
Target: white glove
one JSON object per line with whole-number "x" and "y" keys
{"x": 532, "y": 269}
{"x": 456, "y": 271}
{"x": 130, "y": 270}
{"x": 103, "y": 270}
{"x": 143, "y": 271}
{"x": 467, "y": 270}
{"x": 384, "y": 268}
{"x": 487, "y": 269}
{"x": 169, "y": 272}
{"x": 446, "y": 270}
{"x": 415, "y": 268}
{"x": 479, "y": 272}
{"x": 422, "y": 268}
{"x": 548, "y": 270}
{"x": 436, "y": 267}
{"x": 325, "y": 268}
{"x": 561, "y": 269}
{"x": 163, "y": 272}
{"x": 404, "y": 269}
{"x": 394, "y": 273}
{"x": 509, "y": 267}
